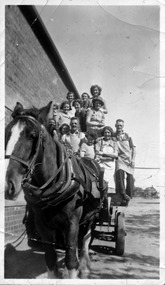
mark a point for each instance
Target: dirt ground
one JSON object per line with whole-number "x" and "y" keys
{"x": 140, "y": 260}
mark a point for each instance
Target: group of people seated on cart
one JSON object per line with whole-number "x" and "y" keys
{"x": 80, "y": 125}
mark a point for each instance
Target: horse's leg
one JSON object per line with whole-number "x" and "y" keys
{"x": 51, "y": 261}
{"x": 71, "y": 258}
{"x": 85, "y": 263}
{"x": 48, "y": 236}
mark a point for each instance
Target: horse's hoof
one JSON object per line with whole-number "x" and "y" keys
{"x": 85, "y": 274}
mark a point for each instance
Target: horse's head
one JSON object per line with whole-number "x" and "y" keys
{"x": 23, "y": 137}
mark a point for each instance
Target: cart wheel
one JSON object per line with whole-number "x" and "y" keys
{"x": 120, "y": 234}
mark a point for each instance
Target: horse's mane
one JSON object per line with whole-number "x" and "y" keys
{"x": 33, "y": 111}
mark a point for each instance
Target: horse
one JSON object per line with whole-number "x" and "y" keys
{"x": 65, "y": 192}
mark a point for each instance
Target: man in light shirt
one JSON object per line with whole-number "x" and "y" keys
{"x": 74, "y": 137}
{"x": 125, "y": 163}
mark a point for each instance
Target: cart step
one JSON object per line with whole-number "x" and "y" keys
{"x": 104, "y": 224}
{"x": 102, "y": 235}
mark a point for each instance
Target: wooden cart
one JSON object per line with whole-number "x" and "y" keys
{"x": 110, "y": 224}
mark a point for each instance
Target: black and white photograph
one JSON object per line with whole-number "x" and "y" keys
{"x": 82, "y": 142}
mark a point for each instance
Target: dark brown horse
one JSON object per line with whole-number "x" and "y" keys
{"x": 62, "y": 190}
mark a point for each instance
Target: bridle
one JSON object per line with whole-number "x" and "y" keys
{"x": 39, "y": 145}
{"x": 49, "y": 194}
{"x": 29, "y": 165}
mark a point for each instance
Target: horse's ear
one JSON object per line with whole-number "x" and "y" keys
{"x": 18, "y": 110}
{"x": 44, "y": 113}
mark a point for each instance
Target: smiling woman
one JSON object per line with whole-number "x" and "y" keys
{"x": 106, "y": 154}
{"x": 95, "y": 117}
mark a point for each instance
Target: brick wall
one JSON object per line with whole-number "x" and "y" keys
{"x": 30, "y": 77}
{"x": 13, "y": 222}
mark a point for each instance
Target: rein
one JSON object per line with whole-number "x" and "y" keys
{"x": 18, "y": 159}
{"x": 48, "y": 194}
{"x": 31, "y": 165}
{"x": 54, "y": 176}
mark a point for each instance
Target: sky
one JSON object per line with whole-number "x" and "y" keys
{"x": 116, "y": 47}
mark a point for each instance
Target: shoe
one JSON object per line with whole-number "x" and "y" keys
{"x": 126, "y": 197}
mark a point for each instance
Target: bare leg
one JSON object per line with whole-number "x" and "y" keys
{"x": 71, "y": 259}
{"x": 85, "y": 264}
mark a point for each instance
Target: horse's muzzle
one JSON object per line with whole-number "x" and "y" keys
{"x": 9, "y": 190}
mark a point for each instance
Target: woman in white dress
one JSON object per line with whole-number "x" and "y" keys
{"x": 106, "y": 153}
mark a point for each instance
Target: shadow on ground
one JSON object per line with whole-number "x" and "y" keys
{"x": 29, "y": 263}
{"x": 16, "y": 260}
{"x": 140, "y": 261}
{"x": 132, "y": 266}
{"x": 147, "y": 224}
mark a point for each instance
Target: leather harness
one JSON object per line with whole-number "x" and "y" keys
{"x": 48, "y": 194}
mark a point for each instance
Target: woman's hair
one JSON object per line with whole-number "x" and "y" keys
{"x": 109, "y": 129}
{"x": 55, "y": 106}
{"x": 100, "y": 99}
{"x": 95, "y": 86}
{"x": 70, "y": 92}
{"x": 86, "y": 94}
{"x": 90, "y": 135}
{"x": 79, "y": 101}
{"x": 63, "y": 103}
{"x": 63, "y": 125}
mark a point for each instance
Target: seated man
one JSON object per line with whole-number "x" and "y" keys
{"x": 73, "y": 138}
{"x": 87, "y": 148}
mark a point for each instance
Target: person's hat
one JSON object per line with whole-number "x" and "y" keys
{"x": 100, "y": 99}
{"x": 64, "y": 124}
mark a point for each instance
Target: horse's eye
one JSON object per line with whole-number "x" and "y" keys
{"x": 33, "y": 135}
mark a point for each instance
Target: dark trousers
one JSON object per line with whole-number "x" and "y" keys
{"x": 120, "y": 182}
